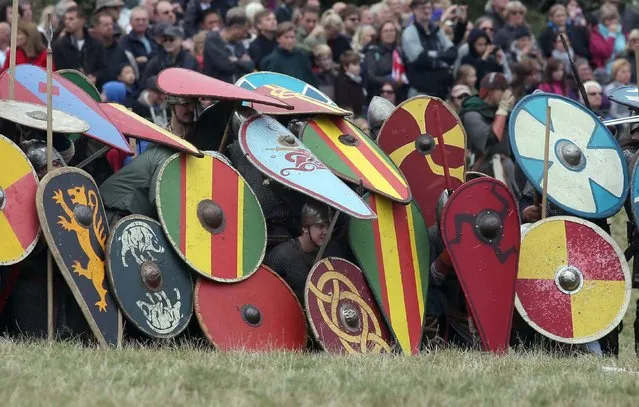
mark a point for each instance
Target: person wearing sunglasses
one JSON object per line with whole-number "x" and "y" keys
{"x": 515, "y": 21}
{"x": 172, "y": 54}
{"x": 457, "y": 96}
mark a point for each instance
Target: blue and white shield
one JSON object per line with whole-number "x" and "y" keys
{"x": 626, "y": 95}
{"x": 256, "y": 80}
{"x": 587, "y": 174}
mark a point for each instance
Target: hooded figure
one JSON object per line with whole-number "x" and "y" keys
{"x": 482, "y": 55}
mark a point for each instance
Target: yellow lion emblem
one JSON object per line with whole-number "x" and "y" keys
{"x": 94, "y": 269}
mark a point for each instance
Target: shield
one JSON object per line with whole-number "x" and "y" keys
{"x": 587, "y": 174}
{"x": 393, "y": 251}
{"x": 353, "y": 156}
{"x": 151, "y": 284}
{"x": 257, "y": 314}
{"x": 256, "y": 80}
{"x": 31, "y": 87}
{"x": 19, "y": 225}
{"x": 211, "y": 216}
{"x": 81, "y": 81}
{"x": 302, "y": 104}
{"x": 273, "y": 150}
{"x": 185, "y": 82}
{"x": 75, "y": 227}
{"x": 426, "y": 140}
{"x": 627, "y": 96}
{"x": 35, "y": 116}
{"x": 634, "y": 190}
{"x": 471, "y": 175}
{"x": 481, "y": 230}
{"x": 573, "y": 284}
{"x": 341, "y": 310}
{"x": 138, "y": 127}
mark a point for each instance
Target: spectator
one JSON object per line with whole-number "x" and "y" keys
{"x": 325, "y": 69}
{"x": 429, "y": 53}
{"x": 114, "y": 53}
{"x": 629, "y": 16}
{"x": 44, "y": 15}
{"x": 110, "y": 7}
{"x": 484, "y": 56}
{"x": 610, "y": 29}
{"x": 265, "y": 43}
{"x": 149, "y": 6}
{"x": 457, "y": 96}
{"x": 27, "y": 11}
{"x": 486, "y": 25}
{"x": 381, "y": 13}
{"x": 575, "y": 13}
{"x": 378, "y": 60}
{"x": 225, "y": 56}
{"x": 395, "y": 9}
{"x": 77, "y": 49}
{"x": 495, "y": 11}
{"x": 620, "y": 77}
{"x": 389, "y": 92}
{"x": 286, "y": 58}
{"x": 171, "y": 55}
{"x": 349, "y": 89}
{"x": 561, "y": 53}
{"x": 5, "y": 40}
{"x": 198, "y": 49}
{"x": 152, "y": 103}
{"x": 309, "y": 32}
{"x": 139, "y": 42}
{"x": 523, "y": 46}
{"x": 211, "y": 21}
{"x": 559, "y": 24}
{"x": 583, "y": 70}
{"x": 629, "y": 53}
{"x": 366, "y": 17}
{"x": 364, "y": 38}
{"x": 197, "y": 12}
{"x": 29, "y": 47}
{"x": 251, "y": 10}
{"x": 285, "y": 11}
{"x": 555, "y": 81}
{"x": 594, "y": 93}
{"x": 351, "y": 17}
{"x": 362, "y": 124}
{"x": 164, "y": 13}
{"x": 333, "y": 26}
{"x": 515, "y": 22}
{"x": 6, "y": 11}
{"x": 526, "y": 78}
{"x": 467, "y": 76}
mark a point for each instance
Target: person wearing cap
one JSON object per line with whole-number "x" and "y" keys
{"x": 111, "y": 7}
{"x": 139, "y": 41}
{"x": 428, "y": 52}
{"x": 225, "y": 56}
{"x": 484, "y": 118}
{"x": 77, "y": 49}
{"x": 172, "y": 54}
{"x": 457, "y": 95}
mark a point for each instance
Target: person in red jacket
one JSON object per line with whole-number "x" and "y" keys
{"x": 601, "y": 45}
{"x": 29, "y": 47}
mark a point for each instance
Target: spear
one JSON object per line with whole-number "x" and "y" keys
{"x": 49, "y": 37}
{"x": 12, "y": 53}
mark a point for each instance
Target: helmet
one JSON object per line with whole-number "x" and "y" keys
{"x": 179, "y": 100}
{"x": 441, "y": 202}
{"x": 314, "y": 213}
{"x": 36, "y": 152}
{"x": 379, "y": 110}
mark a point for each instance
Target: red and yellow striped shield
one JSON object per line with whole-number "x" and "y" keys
{"x": 211, "y": 216}
{"x": 393, "y": 251}
{"x": 573, "y": 284}
{"x": 19, "y": 225}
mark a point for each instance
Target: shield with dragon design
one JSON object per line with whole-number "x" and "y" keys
{"x": 150, "y": 282}
{"x": 302, "y": 104}
{"x": 19, "y": 225}
{"x": 257, "y": 314}
{"x": 573, "y": 284}
{"x": 76, "y": 229}
{"x": 341, "y": 309}
{"x": 587, "y": 174}
{"x": 211, "y": 216}
{"x": 354, "y": 157}
{"x": 480, "y": 228}
{"x": 279, "y": 155}
{"x": 425, "y": 139}
{"x": 256, "y": 80}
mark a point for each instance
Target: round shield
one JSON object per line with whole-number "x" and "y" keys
{"x": 211, "y": 216}
{"x": 259, "y": 313}
{"x": 151, "y": 284}
{"x": 573, "y": 283}
{"x": 587, "y": 174}
{"x": 341, "y": 310}
{"x": 35, "y": 116}
{"x": 425, "y": 139}
{"x": 19, "y": 225}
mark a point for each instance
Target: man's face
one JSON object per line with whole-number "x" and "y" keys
{"x": 127, "y": 75}
{"x": 309, "y": 21}
{"x": 395, "y": 6}
{"x": 165, "y": 13}
{"x": 184, "y": 113}
{"x": 351, "y": 23}
{"x": 423, "y": 12}
{"x": 585, "y": 72}
{"x": 287, "y": 40}
{"x": 318, "y": 233}
{"x": 27, "y": 12}
{"x": 171, "y": 45}
{"x": 211, "y": 22}
{"x": 104, "y": 28}
{"x": 72, "y": 22}
{"x": 594, "y": 97}
{"x": 238, "y": 32}
{"x": 139, "y": 22}
{"x": 267, "y": 24}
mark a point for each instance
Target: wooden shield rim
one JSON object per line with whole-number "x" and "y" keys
{"x": 360, "y": 135}
{"x": 378, "y": 300}
{"x": 244, "y": 79}
{"x": 268, "y": 172}
{"x": 174, "y": 245}
{"x": 465, "y": 288}
{"x": 615, "y": 99}
{"x": 624, "y": 268}
{"x": 53, "y": 249}
{"x": 61, "y": 72}
{"x": 27, "y": 251}
{"x": 537, "y": 186}
{"x": 207, "y": 333}
{"x": 311, "y": 323}
{"x": 113, "y": 286}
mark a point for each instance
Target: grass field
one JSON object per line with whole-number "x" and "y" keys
{"x": 41, "y": 374}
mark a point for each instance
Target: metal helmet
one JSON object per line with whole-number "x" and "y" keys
{"x": 315, "y": 213}
{"x": 379, "y": 110}
{"x": 36, "y": 152}
{"x": 179, "y": 100}
{"x": 241, "y": 115}
{"x": 441, "y": 202}
{"x": 297, "y": 126}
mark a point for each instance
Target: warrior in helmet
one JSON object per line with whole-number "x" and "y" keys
{"x": 293, "y": 259}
